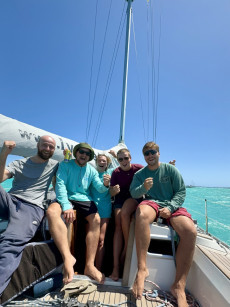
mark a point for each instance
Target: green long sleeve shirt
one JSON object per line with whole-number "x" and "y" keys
{"x": 168, "y": 188}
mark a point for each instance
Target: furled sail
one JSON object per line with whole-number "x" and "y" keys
{"x": 26, "y": 138}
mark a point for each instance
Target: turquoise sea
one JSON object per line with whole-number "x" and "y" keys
{"x": 218, "y": 208}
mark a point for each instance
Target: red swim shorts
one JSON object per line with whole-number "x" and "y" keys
{"x": 155, "y": 206}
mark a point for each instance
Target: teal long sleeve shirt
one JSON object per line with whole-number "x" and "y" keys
{"x": 73, "y": 182}
{"x": 168, "y": 188}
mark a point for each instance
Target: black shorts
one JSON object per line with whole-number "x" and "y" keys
{"x": 119, "y": 204}
{"x": 85, "y": 207}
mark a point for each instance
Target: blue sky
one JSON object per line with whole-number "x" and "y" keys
{"x": 45, "y": 68}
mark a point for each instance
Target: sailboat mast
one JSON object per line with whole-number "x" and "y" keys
{"x": 125, "y": 74}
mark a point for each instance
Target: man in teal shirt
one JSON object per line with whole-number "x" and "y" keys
{"x": 74, "y": 179}
{"x": 164, "y": 191}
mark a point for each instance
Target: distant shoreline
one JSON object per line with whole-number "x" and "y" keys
{"x": 199, "y": 186}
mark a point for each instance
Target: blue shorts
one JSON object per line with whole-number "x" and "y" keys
{"x": 24, "y": 220}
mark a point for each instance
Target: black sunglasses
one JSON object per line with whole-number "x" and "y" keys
{"x": 121, "y": 159}
{"x": 151, "y": 151}
{"x": 81, "y": 151}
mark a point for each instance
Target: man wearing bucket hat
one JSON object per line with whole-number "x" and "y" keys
{"x": 74, "y": 179}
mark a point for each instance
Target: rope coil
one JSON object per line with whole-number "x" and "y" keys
{"x": 165, "y": 298}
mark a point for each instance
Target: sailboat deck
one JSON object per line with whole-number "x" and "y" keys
{"x": 220, "y": 258}
{"x": 110, "y": 295}
{"x": 105, "y": 295}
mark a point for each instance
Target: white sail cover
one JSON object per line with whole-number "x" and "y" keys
{"x": 26, "y": 138}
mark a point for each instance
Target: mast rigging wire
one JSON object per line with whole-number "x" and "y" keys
{"x": 155, "y": 73}
{"x": 99, "y": 70}
{"x": 158, "y": 80}
{"x": 155, "y": 78}
{"x": 148, "y": 57}
{"x": 91, "y": 74}
{"x": 138, "y": 79}
{"x": 109, "y": 78}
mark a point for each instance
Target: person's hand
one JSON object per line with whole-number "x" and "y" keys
{"x": 69, "y": 216}
{"x": 64, "y": 151}
{"x": 112, "y": 152}
{"x": 115, "y": 189}
{"x": 8, "y": 146}
{"x": 165, "y": 213}
{"x": 148, "y": 183}
{"x": 106, "y": 179}
{"x": 173, "y": 162}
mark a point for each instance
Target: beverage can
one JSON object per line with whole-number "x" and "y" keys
{"x": 67, "y": 155}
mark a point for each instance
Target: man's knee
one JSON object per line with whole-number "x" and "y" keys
{"x": 97, "y": 220}
{"x": 192, "y": 232}
{"x": 94, "y": 220}
{"x": 53, "y": 211}
{"x": 145, "y": 214}
{"x": 188, "y": 232}
{"x": 124, "y": 214}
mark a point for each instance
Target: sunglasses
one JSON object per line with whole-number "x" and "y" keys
{"x": 151, "y": 151}
{"x": 121, "y": 159}
{"x": 81, "y": 151}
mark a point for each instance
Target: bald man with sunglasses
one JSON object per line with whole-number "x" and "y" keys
{"x": 164, "y": 191}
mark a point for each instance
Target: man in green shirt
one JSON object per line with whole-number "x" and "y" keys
{"x": 164, "y": 191}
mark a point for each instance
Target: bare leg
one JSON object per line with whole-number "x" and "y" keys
{"x": 187, "y": 232}
{"x": 127, "y": 210}
{"x": 58, "y": 232}
{"x": 117, "y": 245}
{"x": 92, "y": 238}
{"x": 144, "y": 216}
{"x": 101, "y": 249}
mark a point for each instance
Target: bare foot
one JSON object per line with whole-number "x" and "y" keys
{"x": 179, "y": 293}
{"x": 138, "y": 286}
{"x": 68, "y": 271}
{"x": 115, "y": 274}
{"x": 95, "y": 274}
